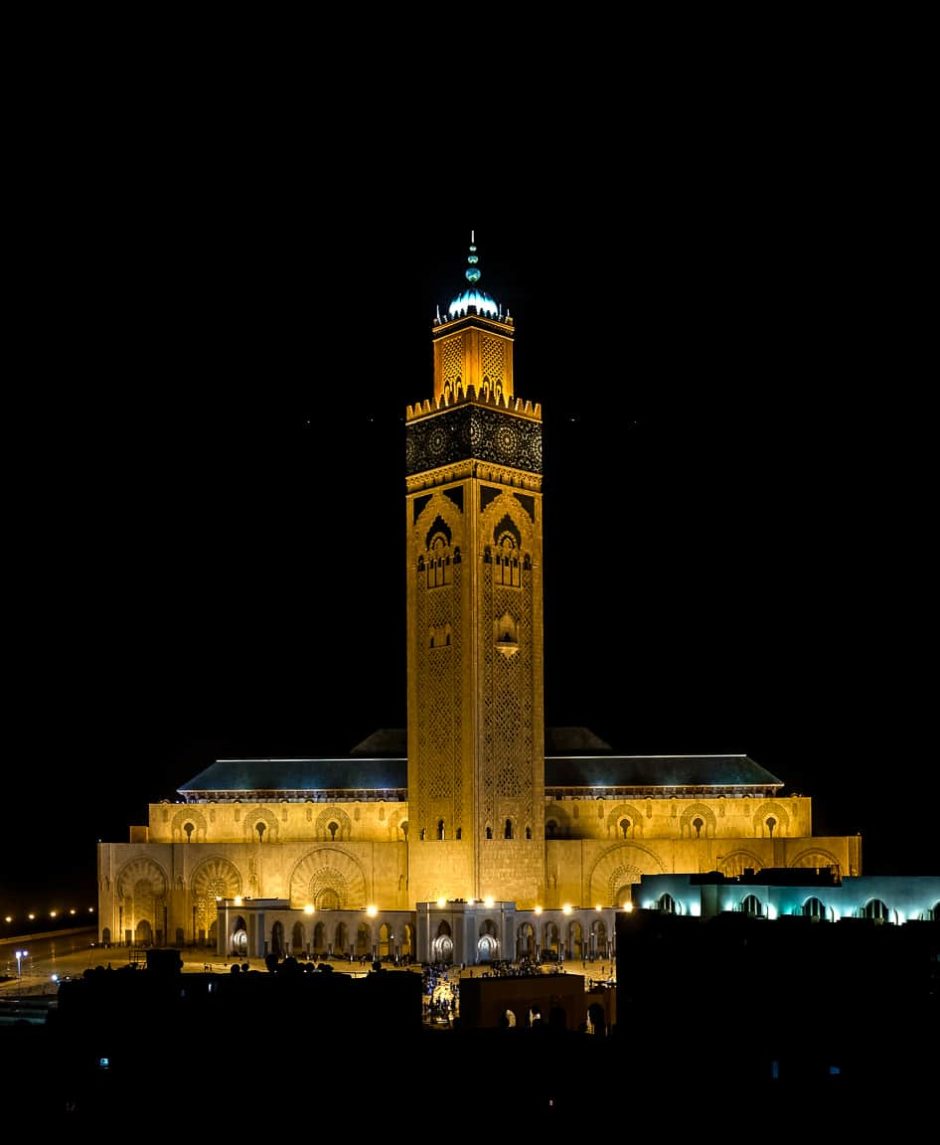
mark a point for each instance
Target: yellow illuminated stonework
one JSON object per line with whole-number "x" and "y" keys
{"x": 470, "y": 822}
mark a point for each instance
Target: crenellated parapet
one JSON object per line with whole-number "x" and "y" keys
{"x": 486, "y": 394}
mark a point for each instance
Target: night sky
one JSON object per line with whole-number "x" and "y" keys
{"x": 207, "y": 526}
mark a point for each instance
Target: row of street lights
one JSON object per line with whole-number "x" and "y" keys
{"x": 32, "y": 915}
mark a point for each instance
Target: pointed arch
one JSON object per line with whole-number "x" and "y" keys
{"x": 619, "y": 866}
{"x": 193, "y": 818}
{"x": 816, "y": 857}
{"x": 329, "y": 878}
{"x": 333, "y": 825}
{"x": 142, "y": 868}
{"x": 557, "y": 814}
{"x": 771, "y": 820}
{"x": 257, "y": 817}
{"x": 736, "y": 862}
{"x": 698, "y": 821}
{"x": 633, "y": 817}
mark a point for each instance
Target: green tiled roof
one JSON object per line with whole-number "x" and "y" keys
{"x": 391, "y": 774}
{"x": 657, "y": 771}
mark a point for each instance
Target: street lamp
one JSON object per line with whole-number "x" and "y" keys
{"x": 20, "y": 955}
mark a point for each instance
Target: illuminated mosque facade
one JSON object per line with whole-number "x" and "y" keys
{"x": 481, "y": 834}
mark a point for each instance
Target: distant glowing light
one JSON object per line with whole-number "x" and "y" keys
{"x": 372, "y": 911}
{"x": 9, "y": 918}
{"x": 488, "y": 901}
{"x": 53, "y": 913}
{"x": 238, "y": 900}
{"x": 72, "y": 911}
{"x": 31, "y": 917}
{"x": 566, "y": 909}
{"x": 91, "y": 910}
{"x": 628, "y": 907}
{"x": 469, "y": 902}
{"x": 442, "y": 902}
{"x": 771, "y": 911}
{"x": 538, "y": 910}
{"x": 309, "y": 908}
{"x": 598, "y": 907}
{"x": 55, "y": 978}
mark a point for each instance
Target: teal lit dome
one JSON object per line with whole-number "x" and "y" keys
{"x": 473, "y": 298}
{"x": 479, "y": 300}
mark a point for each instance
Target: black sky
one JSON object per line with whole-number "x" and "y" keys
{"x": 218, "y": 336}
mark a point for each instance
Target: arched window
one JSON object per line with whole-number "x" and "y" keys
{"x": 697, "y": 825}
{"x": 189, "y": 828}
{"x": 261, "y": 827}
{"x": 770, "y": 822}
{"x": 458, "y": 834}
{"x": 507, "y": 829}
{"x": 667, "y": 904}
{"x": 489, "y": 832}
{"x": 332, "y": 827}
{"x": 876, "y": 909}
{"x": 528, "y": 832}
{"x": 752, "y": 907}
{"x": 440, "y": 828}
{"x": 624, "y": 826}
{"x": 551, "y": 828}
{"x": 814, "y": 908}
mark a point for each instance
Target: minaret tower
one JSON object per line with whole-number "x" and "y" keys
{"x": 476, "y": 757}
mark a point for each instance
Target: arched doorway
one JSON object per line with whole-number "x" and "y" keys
{"x": 624, "y": 895}
{"x": 442, "y": 949}
{"x": 667, "y": 904}
{"x": 599, "y": 938}
{"x": 363, "y": 940}
{"x": 277, "y": 939}
{"x": 487, "y": 948}
{"x": 297, "y": 938}
{"x": 106, "y": 936}
{"x": 319, "y": 938}
{"x": 575, "y": 940}
{"x": 406, "y": 941}
{"x": 341, "y": 939}
{"x": 876, "y": 910}
{"x": 752, "y": 907}
{"x": 814, "y": 908}
{"x": 550, "y": 939}
{"x": 240, "y": 937}
{"x": 385, "y": 940}
{"x": 144, "y": 933}
{"x": 525, "y": 941}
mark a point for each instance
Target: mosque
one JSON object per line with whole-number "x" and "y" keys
{"x": 480, "y": 834}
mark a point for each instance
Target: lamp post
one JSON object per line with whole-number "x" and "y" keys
{"x": 20, "y": 955}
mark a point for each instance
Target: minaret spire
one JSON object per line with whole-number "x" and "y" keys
{"x": 473, "y": 272}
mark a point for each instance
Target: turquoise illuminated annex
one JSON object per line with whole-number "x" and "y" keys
{"x": 823, "y": 895}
